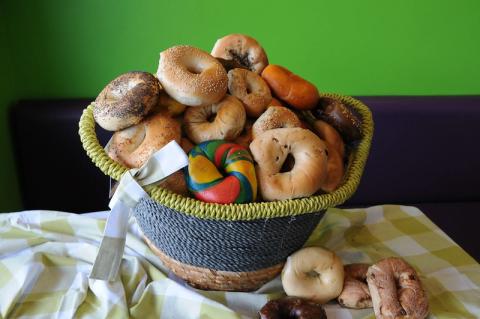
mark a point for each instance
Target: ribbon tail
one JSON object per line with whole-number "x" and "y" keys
{"x": 110, "y": 253}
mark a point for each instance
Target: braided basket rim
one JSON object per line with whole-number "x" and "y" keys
{"x": 248, "y": 211}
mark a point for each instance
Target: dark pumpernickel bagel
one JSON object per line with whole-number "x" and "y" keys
{"x": 292, "y": 308}
{"x": 341, "y": 117}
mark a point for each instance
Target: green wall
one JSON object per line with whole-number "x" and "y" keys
{"x": 66, "y": 48}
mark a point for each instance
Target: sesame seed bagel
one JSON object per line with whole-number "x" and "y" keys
{"x": 275, "y": 117}
{"x": 192, "y": 76}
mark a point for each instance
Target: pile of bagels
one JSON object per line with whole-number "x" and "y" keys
{"x": 254, "y": 131}
{"x": 314, "y": 276}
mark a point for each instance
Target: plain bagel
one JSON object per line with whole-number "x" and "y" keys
{"x": 251, "y": 89}
{"x": 220, "y": 121}
{"x": 133, "y": 146}
{"x": 314, "y": 273}
{"x": 271, "y": 150}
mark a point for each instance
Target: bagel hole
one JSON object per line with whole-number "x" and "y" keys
{"x": 241, "y": 59}
{"x": 195, "y": 69}
{"x": 312, "y": 273}
{"x": 211, "y": 117}
{"x": 249, "y": 88}
{"x": 288, "y": 164}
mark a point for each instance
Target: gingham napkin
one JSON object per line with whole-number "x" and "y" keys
{"x": 45, "y": 259}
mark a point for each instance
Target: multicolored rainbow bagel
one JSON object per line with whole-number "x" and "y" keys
{"x": 221, "y": 172}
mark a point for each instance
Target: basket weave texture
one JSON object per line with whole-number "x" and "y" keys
{"x": 235, "y": 246}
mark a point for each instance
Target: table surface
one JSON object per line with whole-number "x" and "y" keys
{"x": 46, "y": 258}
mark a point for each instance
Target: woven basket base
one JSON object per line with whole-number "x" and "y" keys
{"x": 210, "y": 279}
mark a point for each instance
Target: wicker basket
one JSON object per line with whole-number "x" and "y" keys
{"x": 230, "y": 247}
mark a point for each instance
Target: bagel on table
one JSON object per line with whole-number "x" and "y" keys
{"x": 314, "y": 273}
{"x": 355, "y": 293}
{"x": 396, "y": 290}
{"x": 292, "y": 307}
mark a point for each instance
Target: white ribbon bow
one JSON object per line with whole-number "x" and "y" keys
{"x": 129, "y": 192}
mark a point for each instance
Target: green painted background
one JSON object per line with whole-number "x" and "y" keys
{"x": 62, "y": 48}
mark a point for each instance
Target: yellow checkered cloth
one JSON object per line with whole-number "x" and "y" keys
{"x": 46, "y": 257}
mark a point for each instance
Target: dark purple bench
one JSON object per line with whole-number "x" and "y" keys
{"x": 424, "y": 153}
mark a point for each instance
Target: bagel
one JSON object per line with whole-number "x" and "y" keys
{"x": 231, "y": 64}
{"x": 335, "y": 170}
{"x": 186, "y": 145}
{"x": 221, "y": 172}
{"x": 173, "y": 107}
{"x": 229, "y": 120}
{"x": 126, "y": 100}
{"x": 133, "y": 146}
{"x": 341, "y": 117}
{"x": 271, "y": 149}
{"x": 243, "y": 49}
{"x": 336, "y": 154}
{"x": 396, "y": 290}
{"x": 355, "y": 293}
{"x": 291, "y": 88}
{"x": 313, "y": 273}
{"x": 275, "y": 117}
{"x": 275, "y": 102}
{"x": 330, "y": 135}
{"x": 246, "y": 136}
{"x": 191, "y": 76}
{"x": 251, "y": 89}
{"x": 292, "y": 307}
